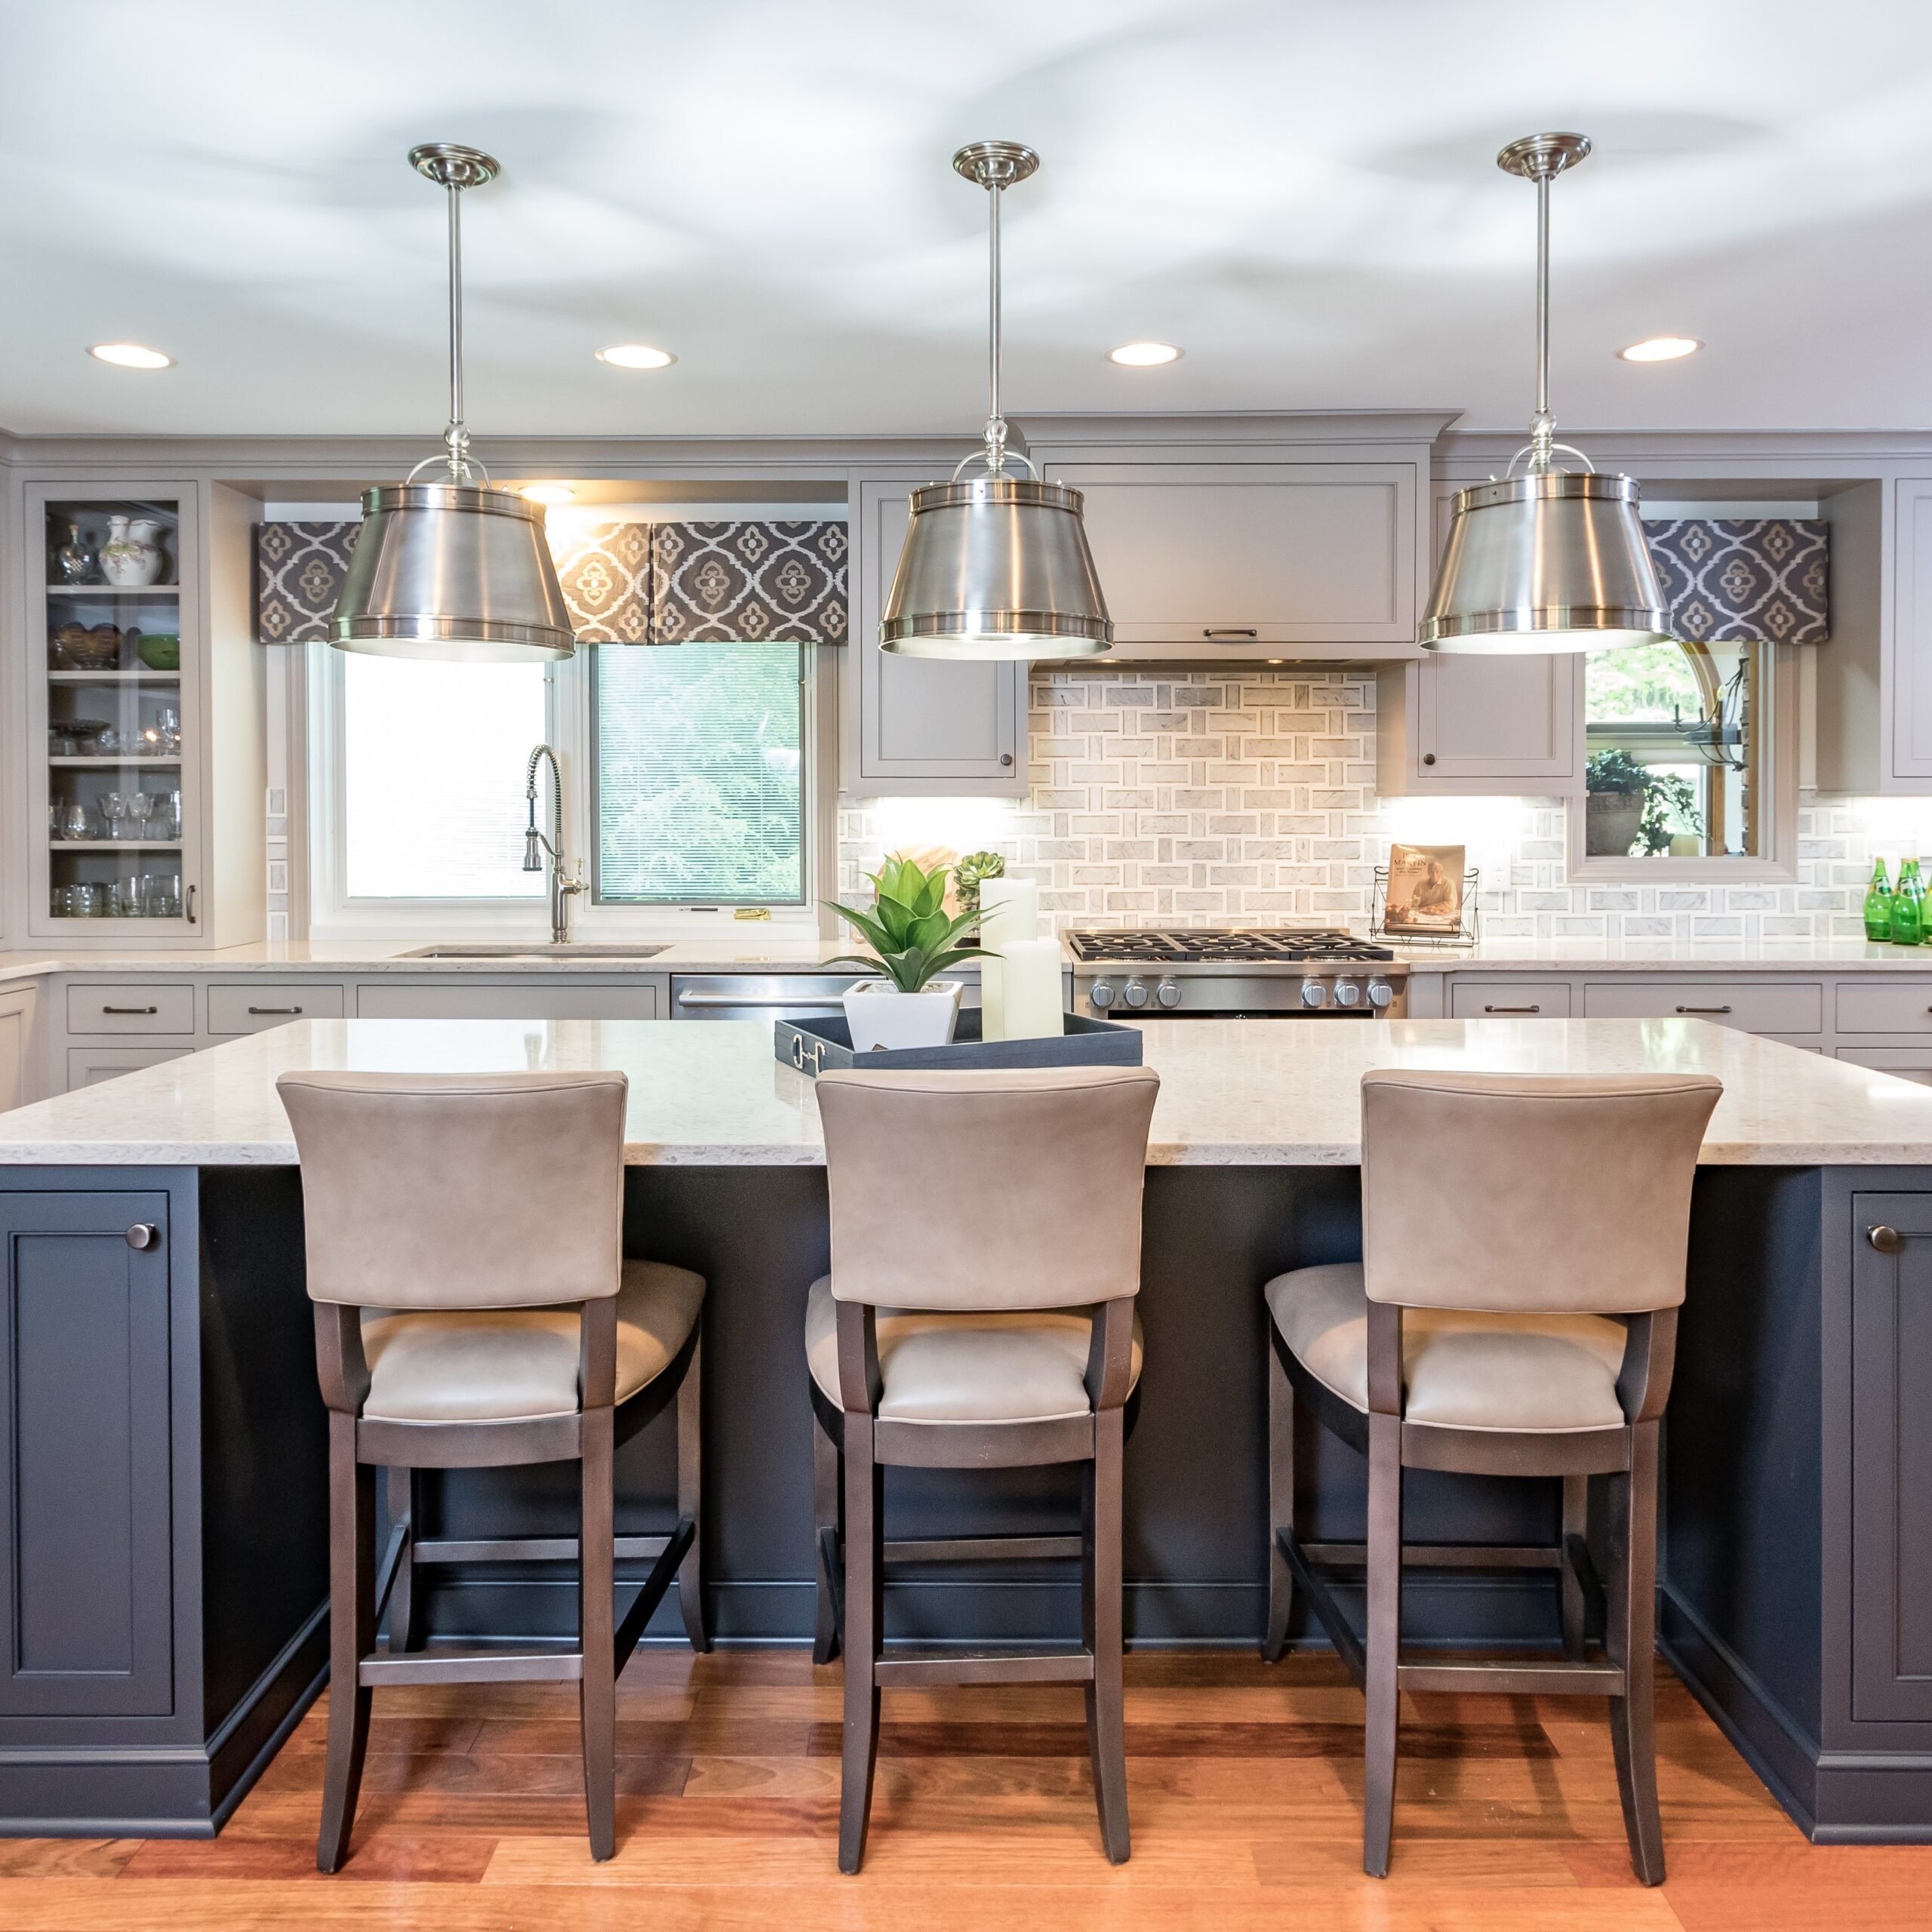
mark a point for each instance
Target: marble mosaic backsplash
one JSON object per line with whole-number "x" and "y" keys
{"x": 1249, "y": 797}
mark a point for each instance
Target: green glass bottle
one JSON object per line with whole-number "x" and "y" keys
{"x": 1878, "y": 906}
{"x": 1908, "y": 921}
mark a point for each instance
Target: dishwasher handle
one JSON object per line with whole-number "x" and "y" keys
{"x": 802, "y": 1002}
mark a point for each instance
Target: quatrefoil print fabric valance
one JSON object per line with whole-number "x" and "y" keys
{"x": 1734, "y": 580}
{"x": 298, "y": 572}
{"x": 718, "y": 583}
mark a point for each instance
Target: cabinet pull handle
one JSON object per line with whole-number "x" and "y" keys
{"x": 1512, "y": 1009}
{"x": 143, "y": 1234}
{"x": 274, "y": 1009}
{"x": 1006, "y": 757}
{"x": 1886, "y": 1241}
{"x": 191, "y": 905}
{"x": 1703, "y": 1009}
{"x": 1251, "y": 631}
{"x": 131, "y": 1009}
{"x": 1429, "y": 758}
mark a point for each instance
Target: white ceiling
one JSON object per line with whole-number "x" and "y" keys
{"x": 1301, "y": 192}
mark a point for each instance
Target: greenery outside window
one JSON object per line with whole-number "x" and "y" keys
{"x": 699, "y": 765}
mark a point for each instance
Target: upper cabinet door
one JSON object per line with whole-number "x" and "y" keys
{"x": 1912, "y": 636}
{"x": 1210, "y": 560}
{"x": 1471, "y": 723}
{"x": 923, "y": 726}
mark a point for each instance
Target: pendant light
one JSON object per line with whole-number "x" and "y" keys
{"x": 1553, "y": 559}
{"x": 452, "y": 568}
{"x": 997, "y": 565}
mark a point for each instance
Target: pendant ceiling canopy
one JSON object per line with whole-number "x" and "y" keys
{"x": 449, "y": 567}
{"x": 997, "y": 565}
{"x": 1553, "y": 559}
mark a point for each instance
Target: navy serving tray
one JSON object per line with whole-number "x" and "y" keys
{"x": 814, "y": 1045}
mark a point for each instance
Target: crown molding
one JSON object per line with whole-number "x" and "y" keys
{"x": 1720, "y": 455}
{"x": 1235, "y": 428}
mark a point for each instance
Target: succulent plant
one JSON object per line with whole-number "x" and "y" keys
{"x": 909, "y": 929}
{"x": 968, "y": 875}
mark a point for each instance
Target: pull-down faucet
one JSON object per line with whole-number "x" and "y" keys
{"x": 536, "y": 846}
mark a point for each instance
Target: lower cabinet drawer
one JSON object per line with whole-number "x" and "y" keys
{"x": 1519, "y": 999}
{"x": 1885, "y": 1008}
{"x": 96, "y": 1008}
{"x": 439, "y": 1000}
{"x": 1908, "y": 1062}
{"x": 254, "y": 1009}
{"x": 88, "y": 1066}
{"x": 1757, "y": 1007}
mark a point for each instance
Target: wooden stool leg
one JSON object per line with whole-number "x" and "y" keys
{"x": 865, "y": 1604}
{"x": 1384, "y": 1642}
{"x": 1631, "y": 1636}
{"x": 690, "y": 1501}
{"x": 1281, "y": 1503}
{"x": 828, "y": 1512}
{"x": 1576, "y": 1523}
{"x": 1100, "y": 1604}
{"x": 597, "y": 1633}
{"x": 352, "y": 1635}
{"x": 405, "y": 1599}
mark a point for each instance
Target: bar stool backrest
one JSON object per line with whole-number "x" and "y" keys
{"x": 483, "y": 1190}
{"x": 1498, "y": 1192}
{"x": 962, "y": 1191}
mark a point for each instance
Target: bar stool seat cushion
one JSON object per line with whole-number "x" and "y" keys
{"x": 1025, "y": 1365}
{"x": 503, "y": 1364}
{"x": 1461, "y": 1371}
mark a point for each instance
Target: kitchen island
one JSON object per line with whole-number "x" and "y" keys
{"x": 164, "y": 1522}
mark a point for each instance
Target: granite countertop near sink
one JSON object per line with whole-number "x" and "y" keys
{"x": 1235, "y": 1093}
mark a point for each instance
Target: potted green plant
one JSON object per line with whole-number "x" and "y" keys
{"x": 913, "y": 938}
{"x": 1616, "y": 783}
{"x": 971, "y": 872}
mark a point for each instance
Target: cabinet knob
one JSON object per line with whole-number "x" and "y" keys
{"x": 1429, "y": 758}
{"x": 1006, "y": 757}
{"x": 1886, "y": 1241}
{"x": 143, "y": 1233}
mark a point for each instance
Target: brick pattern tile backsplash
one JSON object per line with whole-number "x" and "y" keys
{"x": 1249, "y": 798}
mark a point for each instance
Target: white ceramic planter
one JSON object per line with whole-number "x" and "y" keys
{"x": 882, "y": 1018}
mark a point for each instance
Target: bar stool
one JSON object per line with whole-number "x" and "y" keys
{"x": 985, "y": 1253}
{"x": 1515, "y": 1313}
{"x": 473, "y": 1310}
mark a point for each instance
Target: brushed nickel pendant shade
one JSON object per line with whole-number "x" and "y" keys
{"x": 1553, "y": 559}
{"x": 995, "y": 566}
{"x": 449, "y": 567}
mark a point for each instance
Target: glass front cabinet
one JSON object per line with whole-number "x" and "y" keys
{"x": 124, "y": 677}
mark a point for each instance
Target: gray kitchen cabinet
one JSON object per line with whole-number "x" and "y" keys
{"x": 1891, "y": 1424}
{"x": 1210, "y": 559}
{"x": 1458, "y": 726}
{"x": 88, "y": 1066}
{"x": 531, "y": 998}
{"x": 85, "y": 1621}
{"x": 20, "y": 1050}
{"x": 917, "y": 725}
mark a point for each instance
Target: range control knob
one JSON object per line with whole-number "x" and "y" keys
{"x": 1135, "y": 992}
{"x": 1380, "y": 992}
{"x": 1314, "y": 992}
{"x": 1101, "y": 994}
{"x": 1347, "y": 992}
{"x": 1167, "y": 993}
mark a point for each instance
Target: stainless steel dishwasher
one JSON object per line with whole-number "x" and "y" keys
{"x": 766, "y": 996}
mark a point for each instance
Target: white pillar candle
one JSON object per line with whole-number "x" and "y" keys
{"x": 992, "y": 1001}
{"x": 1009, "y": 910}
{"x": 1029, "y": 990}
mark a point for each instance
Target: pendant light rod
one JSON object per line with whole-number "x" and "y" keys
{"x": 996, "y": 166}
{"x": 454, "y": 167}
{"x": 1540, "y": 159}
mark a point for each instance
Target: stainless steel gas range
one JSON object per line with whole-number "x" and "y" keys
{"x": 1289, "y": 972}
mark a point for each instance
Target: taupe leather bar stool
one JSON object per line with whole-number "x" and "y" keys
{"x": 473, "y": 1310}
{"x": 985, "y": 1253}
{"x": 1523, "y": 1242}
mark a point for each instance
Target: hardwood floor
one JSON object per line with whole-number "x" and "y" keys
{"x": 1246, "y": 1786}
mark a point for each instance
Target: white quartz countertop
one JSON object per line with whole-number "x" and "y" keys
{"x": 1234, "y": 1092}
{"x": 1669, "y": 956}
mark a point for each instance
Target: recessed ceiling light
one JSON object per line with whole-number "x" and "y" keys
{"x": 1143, "y": 354}
{"x": 1660, "y": 348}
{"x": 130, "y": 356}
{"x": 547, "y": 492}
{"x": 635, "y": 356}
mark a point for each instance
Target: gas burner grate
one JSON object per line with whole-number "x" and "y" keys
{"x": 1208, "y": 946}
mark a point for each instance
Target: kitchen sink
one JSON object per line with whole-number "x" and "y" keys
{"x": 571, "y": 949}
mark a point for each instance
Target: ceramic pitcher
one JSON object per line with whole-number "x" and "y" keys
{"x": 132, "y": 554}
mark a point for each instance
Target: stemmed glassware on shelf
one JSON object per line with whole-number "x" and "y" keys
{"x": 140, "y": 810}
{"x": 114, "y": 808}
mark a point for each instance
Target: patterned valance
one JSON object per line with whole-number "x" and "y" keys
{"x": 712, "y": 582}
{"x": 624, "y": 583}
{"x": 1728, "y": 581}
{"x": 298, "y": 572}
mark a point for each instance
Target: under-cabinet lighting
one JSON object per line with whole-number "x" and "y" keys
{"x": 1143, "y": 354}
{"x": 1660, "y": 348}
{"x": 635, "y": 356}
{"x": 547, "y": 492}
{"x": 130, "y": 356}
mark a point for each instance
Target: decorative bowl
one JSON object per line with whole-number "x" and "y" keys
{"x": 159, "y": 652}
